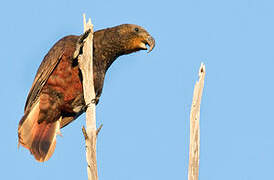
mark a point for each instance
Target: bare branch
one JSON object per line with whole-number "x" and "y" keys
{"x": 86, "y": 66}
{"x": 194, "y": 145}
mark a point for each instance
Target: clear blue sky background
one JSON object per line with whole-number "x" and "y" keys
{"x": 147, "y": 97}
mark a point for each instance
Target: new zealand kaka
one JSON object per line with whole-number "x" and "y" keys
{"x": 56, "y": 96}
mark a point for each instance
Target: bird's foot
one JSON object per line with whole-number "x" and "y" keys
{"x": 93, "y": 101}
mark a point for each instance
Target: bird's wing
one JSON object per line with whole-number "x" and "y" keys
{"x": 49, "y": 63}
{"x": 47, "y": 66}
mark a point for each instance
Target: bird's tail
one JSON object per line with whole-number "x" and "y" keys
{"x": 39, "y": 138}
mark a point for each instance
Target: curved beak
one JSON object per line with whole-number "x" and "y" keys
{"x": 151, "y": 42}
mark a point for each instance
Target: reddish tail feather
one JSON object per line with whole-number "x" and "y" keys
{"x": 40, "y": 139}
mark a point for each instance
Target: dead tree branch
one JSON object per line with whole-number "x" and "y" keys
{"x": 194, "y": 145}
{"x": 86, "y": 66}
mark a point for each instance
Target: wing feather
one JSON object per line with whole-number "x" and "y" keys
{"x": 45, "y": 69}
{"x": 50, "y": 62}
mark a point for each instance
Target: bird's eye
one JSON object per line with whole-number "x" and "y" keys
{"x": 136, "y": 29}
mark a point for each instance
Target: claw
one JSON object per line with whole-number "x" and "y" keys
{"x": 95, "y": 101}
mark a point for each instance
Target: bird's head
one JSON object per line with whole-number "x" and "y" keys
{"x": 133, "y": 38}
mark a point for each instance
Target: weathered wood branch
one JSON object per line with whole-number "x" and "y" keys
{"x": 86, "y": 66}
{"x": 194, "y": 145}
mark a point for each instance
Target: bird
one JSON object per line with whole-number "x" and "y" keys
{"x": 56, "y": 96}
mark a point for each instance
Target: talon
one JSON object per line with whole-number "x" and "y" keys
{"x": 95, "y": 101}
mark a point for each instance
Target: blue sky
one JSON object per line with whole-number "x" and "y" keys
{"x": 147, "y": 97}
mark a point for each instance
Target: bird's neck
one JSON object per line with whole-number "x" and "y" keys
{"x": 107, "y": 48}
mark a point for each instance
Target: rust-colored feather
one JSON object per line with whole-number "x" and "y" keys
{"x": 26, "y": 126}
{"x": 44, "y": 140}
{"x": 40, "y": 139}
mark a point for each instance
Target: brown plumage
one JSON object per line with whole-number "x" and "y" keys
{"x": 56, "y": 96}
